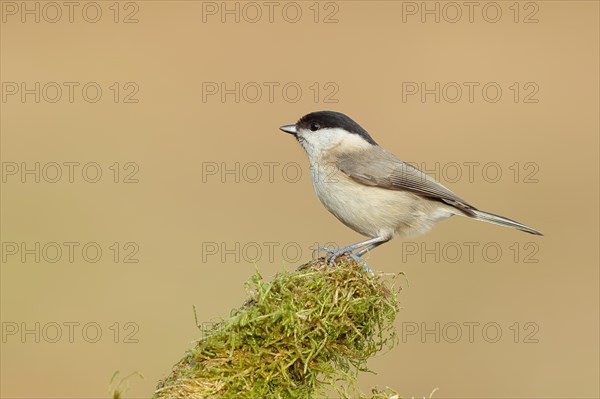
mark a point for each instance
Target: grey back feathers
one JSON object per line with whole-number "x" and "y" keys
{"x": 377, "y": 167}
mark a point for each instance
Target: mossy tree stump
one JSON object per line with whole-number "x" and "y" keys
{"x": 300, "y": 335}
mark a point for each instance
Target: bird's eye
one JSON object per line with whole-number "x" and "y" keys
{"x": 314, "y": 127}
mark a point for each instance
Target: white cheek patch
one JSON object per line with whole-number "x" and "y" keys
{"x": 315, "y": 143}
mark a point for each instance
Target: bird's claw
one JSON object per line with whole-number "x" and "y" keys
{"x": 329, "y": 251}
{"x": 350, "y": 255}
{"x": 333, "y": 254}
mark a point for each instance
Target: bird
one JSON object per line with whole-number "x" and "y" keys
{"x": 372, "y": 191}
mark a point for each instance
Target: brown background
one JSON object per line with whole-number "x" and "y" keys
{"x": 171, "y": 134}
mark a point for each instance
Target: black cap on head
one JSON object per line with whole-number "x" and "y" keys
{"x": 331, "y": 119}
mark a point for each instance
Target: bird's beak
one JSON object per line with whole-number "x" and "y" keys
{"x": 291, "y": 129}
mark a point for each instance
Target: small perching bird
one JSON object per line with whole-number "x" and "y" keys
{"x": 370, "y": 190}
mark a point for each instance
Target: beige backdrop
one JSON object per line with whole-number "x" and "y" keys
{"x": 177, "y": 105}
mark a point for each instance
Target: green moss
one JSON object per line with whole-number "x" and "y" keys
{"x": 300, "y": 335}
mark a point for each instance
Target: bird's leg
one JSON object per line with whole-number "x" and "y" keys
{"x": 335, "y": 252}
{"x": 348, "y": 250}
{"x": 357, "y": 256}
{"x": 371, "y": 247}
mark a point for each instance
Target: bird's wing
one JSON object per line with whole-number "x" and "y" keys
{"x": 377, "y": 167}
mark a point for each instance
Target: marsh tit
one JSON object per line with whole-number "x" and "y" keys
{"x": 370, "y": 190}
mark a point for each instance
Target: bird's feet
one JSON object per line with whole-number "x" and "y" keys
{"x": 328, "y": 252}
{"x": 333, "y": 253}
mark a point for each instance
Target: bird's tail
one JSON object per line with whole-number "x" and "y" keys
{"x": 502, "y": 221}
